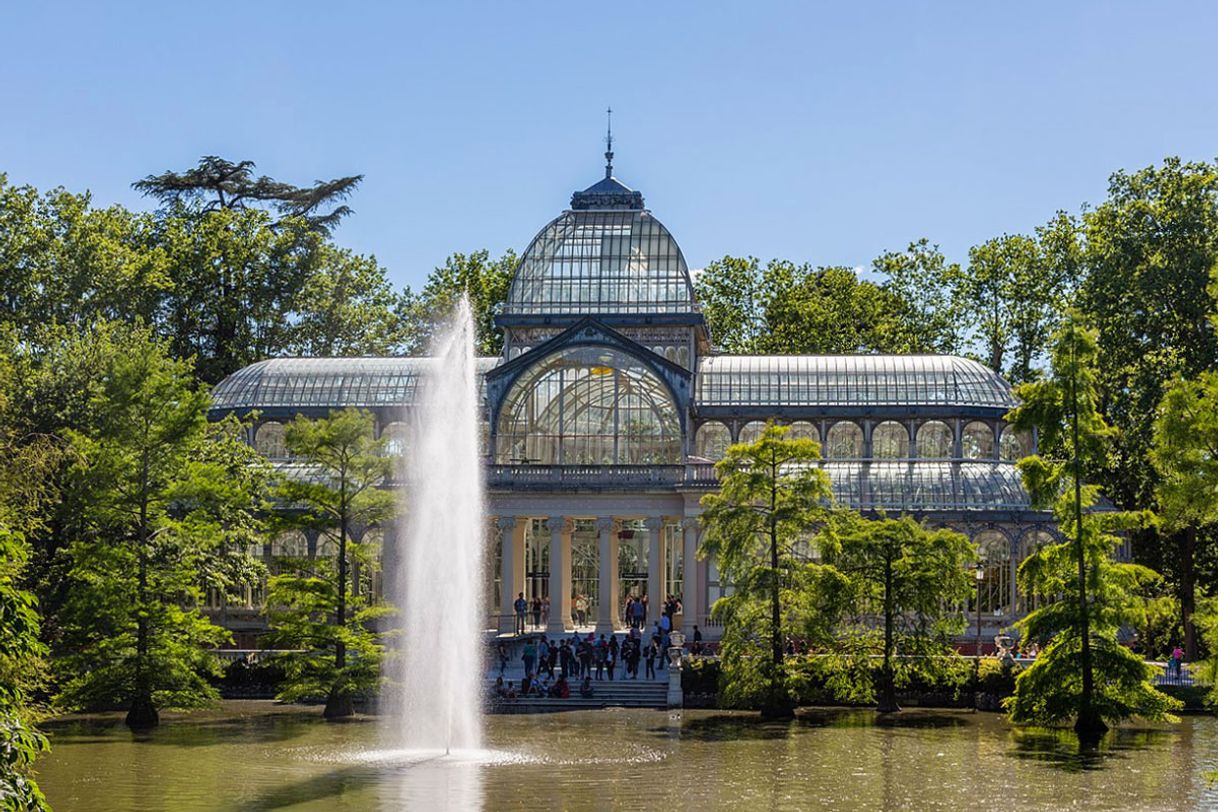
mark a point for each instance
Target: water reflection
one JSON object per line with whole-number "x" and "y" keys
{"x": 444, "y": 783}
{"x": 706, "y": 760}
{"x": 1063, "y": 750}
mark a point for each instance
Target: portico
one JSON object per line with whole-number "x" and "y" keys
{"x": 668, "y": 566}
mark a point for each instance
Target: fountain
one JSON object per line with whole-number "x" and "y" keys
{"x": 434, "y": 695}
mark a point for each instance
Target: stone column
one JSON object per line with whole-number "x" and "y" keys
{"x": 606, "y": 598}
{"x": 691, "y": 598}
{"x": 560, "y": 575}
{"x": 511, "y": 568}
{"x": 656, "y": 581}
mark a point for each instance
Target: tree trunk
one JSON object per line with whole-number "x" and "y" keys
{"x": 338, "y": 704}
{"x": 1188, "y": 591}
{"x": 888, "y": 688}
{"x": 142, "y": 714}
{"x": 778, "y": 705}
{"x": 1088, "y": 725}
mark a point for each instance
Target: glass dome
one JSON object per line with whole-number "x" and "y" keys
{"x": 601, "y": 261}
{"x": 589, "y": 406}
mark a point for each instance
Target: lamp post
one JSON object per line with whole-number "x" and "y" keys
{"x": 979, "y": 577}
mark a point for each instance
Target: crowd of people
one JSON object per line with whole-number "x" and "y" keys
{"x": 550, "y": 666}
{"x": 535, "y": 612}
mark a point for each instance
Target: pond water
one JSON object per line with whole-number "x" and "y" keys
{"x": 258, "y": 756}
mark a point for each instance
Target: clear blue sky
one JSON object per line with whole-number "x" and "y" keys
{"x": 825, "y": 132}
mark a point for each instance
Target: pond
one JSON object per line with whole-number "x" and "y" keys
{"x": 259, "y": 756}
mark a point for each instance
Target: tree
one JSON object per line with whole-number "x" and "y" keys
{"x": 788, "y": 308}
{"x": 485, "y": 281}
{"x": 757, "y": 527}
{"x": 1082, "y": 672}
{"x": 1185, "y": 455}
{"x": 928, "y": 287}
{"x": 729, "y": 290}
{"x": 1148, "y": 251}
{"x": 315, "y": 610}
{"x": 1015, "y": 295}
{"x": 826, "y": 310}
{"x": 154, "y": 504}
{"x": 217, "y": 184}
{"x": 21, "y": 667}
{"x": 63, "y": 262}
{"x": 346, "y": 306}
{"x": 913, "y": 580}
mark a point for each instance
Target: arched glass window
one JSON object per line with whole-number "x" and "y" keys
{"x": 844, "y": 441}
{"x": 890, "y": 441}
{"x": 977, "y": 441}
{"x": 712, "y": 440}
{"x": 397, "y": 438}
{"x": 327, "y": 546}
{"x": 589, "y": 406}
{"x": 994, "y": 552}
{"x": 751, "y": 432}
{"x": 1029, "y": 544}
{"x": 269, "y": 441}
{"x": 290, "y": 544}
{"x": 1014, "y": 445}
{"x": 803, "y": 430}
{"x": 935, "y": 441}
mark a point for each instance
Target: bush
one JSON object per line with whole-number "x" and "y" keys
{"x": 830, "y": 680}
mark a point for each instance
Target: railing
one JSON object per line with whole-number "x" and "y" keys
{"x": 250, "y": 655}
{"x": 1183, "y": 675}
{"x": 558, "y": 476}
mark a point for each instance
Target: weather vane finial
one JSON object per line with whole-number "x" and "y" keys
{"x": 609, "y": 142}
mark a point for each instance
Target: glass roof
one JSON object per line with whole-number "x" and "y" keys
{"x": 918, "y": 486}
{"x": 601, "y": 261}
{"x": 848, "y": 380}
{"x": 326, "y": 383}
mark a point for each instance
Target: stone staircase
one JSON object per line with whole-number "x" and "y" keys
{"x": 605, "y": 694}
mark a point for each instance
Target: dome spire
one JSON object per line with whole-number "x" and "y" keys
{"x": 609, "y": 142}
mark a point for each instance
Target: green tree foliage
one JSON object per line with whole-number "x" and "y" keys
{"x": 1148, "y": 253}
{"x": 226, "y": 285}
{"x": 21, "y": 654}
{"x": 932, "y": 318}
{"x": 788, "y": 308}
{"x": 1082, "y": 673}
{"x": 1014, "y": 292}
{"x": 315, "y": 610}
{"x": 346, "y": 306}
{"x": 758, "y": 527}
{"x": 485, "y": 280}
{"x": 1185, "y": 455}
{"x": 156, "y": 500}
{"x": 906, "y": 584}
{"x": 66, "y": 263}
{"x": 733, "y": 302}
{"x": 217, "y": 184}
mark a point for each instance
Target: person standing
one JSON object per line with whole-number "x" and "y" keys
{"x": 503, "y": 659}
{"x": 612, "y": 656}
{"x": 529, "y": 656}
{"x": 651, "y": 660}
{"x": 697, "y": 646}
{"x": 600, "y": 653}
{"x": 521, "y": 606}
{"x": 536, "y": 612}
{"x": 581, "y": 610}
{"x": 584, "y": 653}
{"x": 564, "y": 659}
